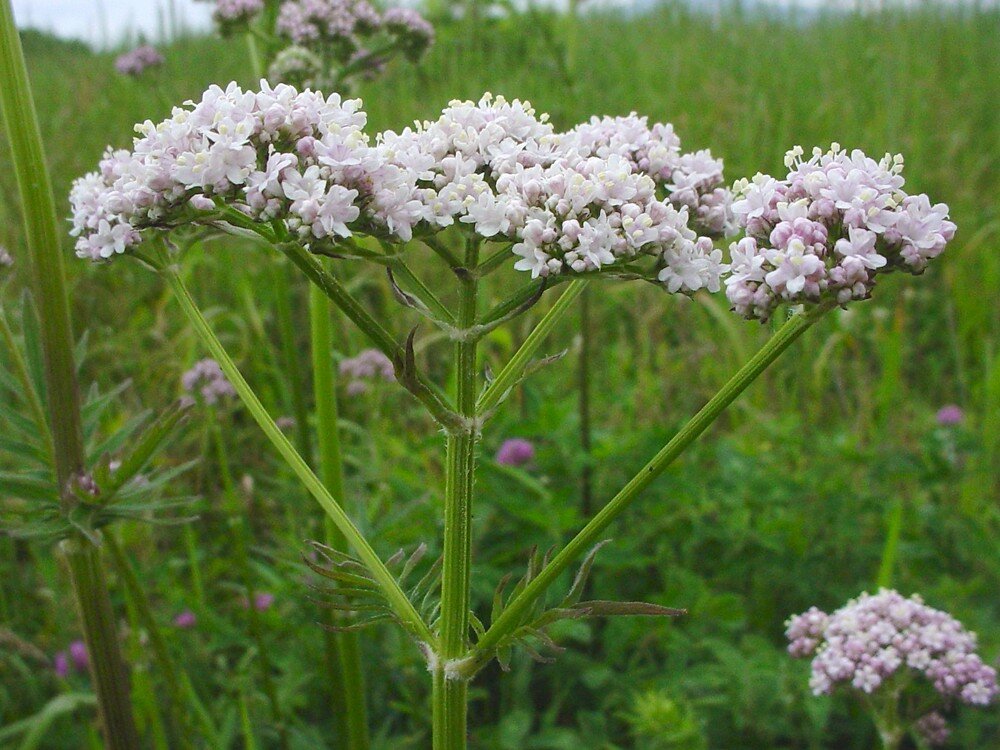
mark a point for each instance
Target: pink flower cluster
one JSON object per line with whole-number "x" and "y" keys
{"x": 369, "y": 365}
{"x": 828, "y": 230}
{"x": 206, "y": 379}
{"x": 75, "y": 658}
{"x": 873, "y": 637}
{"x": 933, "y": 728}
{"x": 135, "y": 61}
{"x": 233, "y": 15}
{"x": 493, "y": 168}
{"x": 693, "y": 180}
{"x": 307, "y": 21}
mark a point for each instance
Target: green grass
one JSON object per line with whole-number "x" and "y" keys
{"x": 784, "y": 505}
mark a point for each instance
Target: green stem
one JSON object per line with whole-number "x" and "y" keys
{"x": 42, "y": 234}
{"x": 450, "y": 696}
{"x": 513, "y": 370}
{"x": 343, "y": 649}
{"x": 894, "y": 518}
{"x": 394, "y": 595}
{"x": 100, "y": 633}
{"x": 282, "y": 292}
{"x": 518, "y": 608}
{"x": 383, "y": 340}
{"x": 583, "y": 375}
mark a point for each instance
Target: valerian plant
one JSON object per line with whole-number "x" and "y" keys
{"x": 903, "y": 659}
{"x": 486, "y": 185}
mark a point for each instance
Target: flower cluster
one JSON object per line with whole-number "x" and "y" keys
{"x": 949, "y": 415}
{"x": 340, "y": 29}
{"x": 827, "y": 230}
{"x": 207, "y": 380}
{"x": 497, "y": 166}
{"x": 933, "y": 728}
{"x": 693, "y": 180}
{"x": 369, "y": 365}
{"x": 135, "y": 61}
{"x": 494, "y": 167}
{"x": 234, "y": 15}
{"x": 873, "y": 637}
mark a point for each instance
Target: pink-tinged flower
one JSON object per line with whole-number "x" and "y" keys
{"x": 78, "y": 655}
{"x": 136, "y": 61}
{"x": 827, "y": 231}
{"x": 515, "y": 452}
{"x": 185, "y": 620}
{"x": 871, "y": 638}
{"x": 367, "y": 367}
{"x": 950, "y": 415}
{"x": 933, "y": 728}
{"x": 60, "y": 664}
{"x": 206, "y": 379}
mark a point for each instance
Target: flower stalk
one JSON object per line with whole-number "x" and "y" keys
{"x": 512, "y": 616}
{"x": 450, "y": 696}
{"x": 394, "y": 595}
{"x": 48, "y": 281}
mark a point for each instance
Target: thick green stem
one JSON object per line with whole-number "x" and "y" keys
{"x": 343, "y": 649}
{"x": 100, "y": 633}
{"x": 514, "y": 369}
{"x": 518, "y": 608}
{"x": 42, "y": 234}
{"x": 394, "y": 595}
{"x": 450, "y": 696}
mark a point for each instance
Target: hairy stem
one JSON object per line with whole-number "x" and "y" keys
{"x": 48, "y": 280}
{"x": 343, "y": 649}
{"x": 518, "y": 608}
{"x": 450, "y": 696}
{"x": 396, "y": 598}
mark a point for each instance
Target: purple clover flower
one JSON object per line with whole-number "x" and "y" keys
{"x": 185, "y": 620}
{"x": 136, "y": 61}
{"x": 515, "y": 452}
{"x": 78, "y": 655}
{"x": 950, "y": 415}
{"x": 262, "y": 601}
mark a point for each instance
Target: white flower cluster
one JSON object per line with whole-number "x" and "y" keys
{"x": 693, "y": 180}
{"x": 497, "y": 166}
{"x": 827, "y": 230}
{"x": 493, "y": 167}
{"x": 871, "y": 638}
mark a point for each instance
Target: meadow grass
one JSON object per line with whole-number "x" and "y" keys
{"x": 789, "y": 509}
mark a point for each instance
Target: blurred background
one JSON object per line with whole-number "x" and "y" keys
{"x": 866, "y": 455}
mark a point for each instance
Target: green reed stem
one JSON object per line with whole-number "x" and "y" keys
{"x": 450, "y": 696}
{"x": 512, "y": 617}
{"x": 42, "y": 234}
{"x": 343, "y": 649}
{"x": 394, "y": 595}
{"x": 514, "y": 369}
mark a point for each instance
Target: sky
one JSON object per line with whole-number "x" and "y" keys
{"x": 105, "y": 22}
